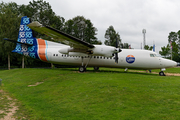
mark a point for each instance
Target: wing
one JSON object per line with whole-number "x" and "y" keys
{"x": 60, "y": 36}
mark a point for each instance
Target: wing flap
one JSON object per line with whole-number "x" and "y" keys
{"x": 60, "y": 36}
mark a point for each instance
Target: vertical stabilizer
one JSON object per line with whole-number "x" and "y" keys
{"x": 26, "y": 36}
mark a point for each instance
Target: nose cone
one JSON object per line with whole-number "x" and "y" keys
{"x": 169, "y": 63}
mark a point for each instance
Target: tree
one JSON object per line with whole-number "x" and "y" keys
{"x": 126, "y": 46}
{"x": 146, "y": 47}
{"x": 38, "y": 10}
{"x": 9, "y": 27}
{"x": 81, "y": 28}
{"x": 178, "y": 36}
{"x": 174, "y": 41}
{"x": 165, "y": 51}
{"x": 111, "y": 37}
{"x": 172, "y": 37}
{"x": 175, "y": 50}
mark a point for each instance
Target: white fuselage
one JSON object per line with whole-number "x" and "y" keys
{"x": 128, "y": 58}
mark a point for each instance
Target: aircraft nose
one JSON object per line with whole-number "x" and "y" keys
{"x": 169, "y": 63}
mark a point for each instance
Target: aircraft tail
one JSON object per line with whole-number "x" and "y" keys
{"x": 27, "y": 44}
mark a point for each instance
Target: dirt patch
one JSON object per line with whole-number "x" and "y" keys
{"x": 11, "y": 112}
{"x": 10, "y": 109}
{"x": 38, "y": 83}
{"x": 172, "y": 74}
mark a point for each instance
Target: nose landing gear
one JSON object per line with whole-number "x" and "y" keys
{"x": 162, "y": 73}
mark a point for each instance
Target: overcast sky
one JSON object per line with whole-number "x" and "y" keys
{"x": 128, "y": 17}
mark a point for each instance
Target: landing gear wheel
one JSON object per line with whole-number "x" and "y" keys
{"x": 96, "y": 68}
{"x": 82, "y": 69}
{"x": 162, "y": 73}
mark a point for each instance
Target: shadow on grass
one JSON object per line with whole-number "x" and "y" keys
{"x": 113, "y": 71}
{"x": 128, "y": 72}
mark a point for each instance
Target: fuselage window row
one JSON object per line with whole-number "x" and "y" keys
{"x": 95, "y": 57}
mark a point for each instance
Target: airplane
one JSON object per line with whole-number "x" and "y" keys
{"x": 76, "y": 52}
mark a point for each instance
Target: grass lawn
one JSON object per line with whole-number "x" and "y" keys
{"x": 108, "y": 94}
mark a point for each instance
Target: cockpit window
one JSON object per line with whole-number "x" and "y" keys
{"x": 155, "y": 55}
{"x": 158, "y": 55}
{"x": 152, "y": 55}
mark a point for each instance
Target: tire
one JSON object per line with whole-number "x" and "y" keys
{"x": 162, "y": 73}
{"x": 82, "y": 69}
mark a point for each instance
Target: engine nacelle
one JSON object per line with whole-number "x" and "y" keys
{"x": 65, "y": 50}
{"x": 98, "y": 50}
{"x": 103, "y": 50}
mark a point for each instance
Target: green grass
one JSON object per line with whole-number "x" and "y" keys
{"x": 108, "y": 94}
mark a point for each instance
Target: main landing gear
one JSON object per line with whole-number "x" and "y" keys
{"x": 82, "y": 68}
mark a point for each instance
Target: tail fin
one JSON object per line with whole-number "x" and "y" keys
{"x": 26, "y": 43}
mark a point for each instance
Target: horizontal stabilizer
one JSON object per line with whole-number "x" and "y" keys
{"x": 18, "y": 42}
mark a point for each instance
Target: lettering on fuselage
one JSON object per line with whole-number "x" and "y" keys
{"x": 130, "y": 59}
